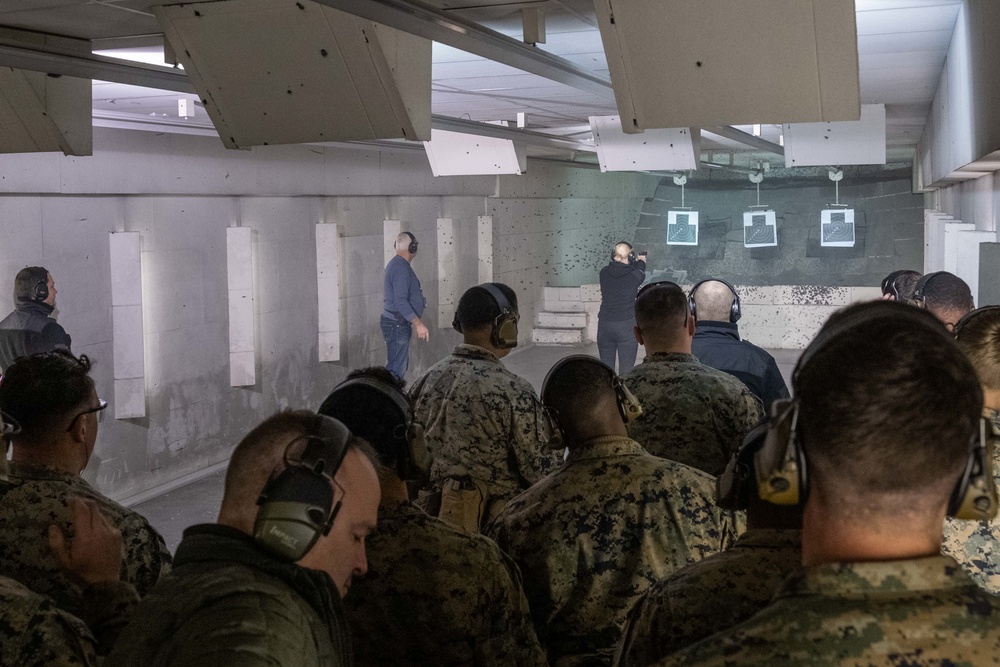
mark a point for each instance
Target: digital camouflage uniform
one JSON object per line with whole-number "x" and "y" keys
{"x": 482, "y": 421}
{"x": 592, "y": 537}
{"x": 37, "y": 497}
{"x": 690, "y": 412}
{"x": 921, "y": 612}
{"x": 437, "y": 595}
{"x": 713, "y": 594}
{"x": 976, "y": 544}
{"x": 36, "y": 633}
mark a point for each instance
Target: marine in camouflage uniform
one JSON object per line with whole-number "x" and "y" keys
{"x": 691, "y": 413}
{"x": 592, "y": 537}
{"x": 918, "y": 612}
{"x": 437, "y": 595}
{"x": 719, "y": 592}
{"x": 482, "y": 422}
{"x": 37, "y": 497}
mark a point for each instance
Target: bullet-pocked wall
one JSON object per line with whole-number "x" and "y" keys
{"x": 181, "y": 192}
{"x": 889, "y": 231}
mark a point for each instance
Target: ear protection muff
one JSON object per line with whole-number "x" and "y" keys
{"x": 414, "y": 461}
{"x": 732, "y": 486}
{"x": 40, "y": 292}
{"x": 504, "y": 332}
{"x": 629, "y": 407}
{"x": 919, "y": 292}
{"x": 781, "y": 464}
{"x": 971, "y": 315}
{"x": 412, "y": 248}
{"x": 631, "y": 252}
{"x": 735, "y": 310}
{"x": 297, "y": 505}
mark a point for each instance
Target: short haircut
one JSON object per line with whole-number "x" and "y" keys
{"x": 661, "y": 311}
{"x": 714, "y": 301}
{"x": 403, "y": 240}
{"x": 260, "y": 454}
{"x": 576, "y": 388}
{"x": 43, "y": 391}
{"x": 371, "y": 415}
{"x": 622, "y": 249}
{"x": 900, "y": 284}
{"x": 888, "y": 407}
{"x": 26, "y": 280}
{"x": 477, "y": 308}
{"x": 979, "y": 338}
{"x": 945, "y": 293}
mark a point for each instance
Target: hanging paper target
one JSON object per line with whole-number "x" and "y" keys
{"x": 760, "y": 229}
{"x": 837, "y": 228}
{"x": 682, "y": 228}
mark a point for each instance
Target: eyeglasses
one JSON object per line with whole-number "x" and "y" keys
{"x": 99, "y": 409}
{"x": 668, "y": 284}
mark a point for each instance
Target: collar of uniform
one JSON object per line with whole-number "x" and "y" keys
{"x": 21, "y": 471}
{"x": 878, "y": 578}
{"x": 43, "y": 309}
{"x": 474, "y": 352}
{"x": 770, "y": 538}
{"x": 730, "y": 329}
{"x": 670, "y": 357}
{"x": 605, "y": 446}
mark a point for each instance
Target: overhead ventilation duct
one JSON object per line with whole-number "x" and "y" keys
{"x": 847, "y": 142}
{"x": 678, "y": 63}
{"x": 294, "y": 71}
{"x": 39, "y": 112}
{"x": 666, "y": 149}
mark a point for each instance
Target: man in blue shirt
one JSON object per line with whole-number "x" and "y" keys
{"x": 402, "y": 305}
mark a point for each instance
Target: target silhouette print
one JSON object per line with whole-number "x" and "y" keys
{"x": 682, "y": 228}
{"x": 759, "y": 229}
{"x": 837, "y": 228}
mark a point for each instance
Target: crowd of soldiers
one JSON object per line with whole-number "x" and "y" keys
{"x": 670, "y": 516}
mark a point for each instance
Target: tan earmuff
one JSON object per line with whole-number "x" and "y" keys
{"x": 629, "y": 406}
{"x": 420, "y": 458}
{"x": 731, "y": 492}
{"x": 553, "y": 436}
{"x": 504, "y": 332}
{"x": 975, "y": 495}
{"x": 780, "y": 464}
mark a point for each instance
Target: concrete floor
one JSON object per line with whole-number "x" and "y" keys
{"x": 198, "y": 502}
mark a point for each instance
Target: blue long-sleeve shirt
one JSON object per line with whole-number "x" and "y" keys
{"x": 403, "y": 296}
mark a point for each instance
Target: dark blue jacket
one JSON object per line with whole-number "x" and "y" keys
{"x": 28, "y": 330}
{"x": 403, "y": 298}
{"x": 718, "y": 344}
{"x": 619, "y": 285}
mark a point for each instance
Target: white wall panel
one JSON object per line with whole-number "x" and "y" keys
{"x": 484, "y": 228}
{"x": 390, "y": 230}
{"x": 447, "y": 272}
{"x": 242, "y": 334}
{"x": 328, "y": 290}
{"x": 843, "y": 143}
{"x": 967, "y": 257}
{"x": 126, "y": 315}
{"x": 653, "y": 149}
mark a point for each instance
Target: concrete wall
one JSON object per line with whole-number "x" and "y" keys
{"x": 182, "y": 192}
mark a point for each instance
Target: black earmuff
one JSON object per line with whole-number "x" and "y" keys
{"x": 732, "y": 487}
{"x": 504, "y": 333}
{"x": 412, "y": 248}
{"x": 919, "y": 298}
{"x": 408, "y": 435}
{"x": 975, "y": 495}
{"x": 631, "y": 252}
{"x": 971, "y": 315}
{"x": 40, "y": 292}
{"x": 628, "y": 405}
{"x": 297, "y": 505}
{"x": 735, "y": 310}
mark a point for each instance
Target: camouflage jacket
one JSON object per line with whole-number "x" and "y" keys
{"x": 228, "y": 604}
{"x": 714, "y": 594}
{"x": 691, "y": 413}
{"x": 918, "y": 613}
{"x": 592, "y": 537}
{"x": 976, "y": 544}
{"x": 37, "y": 497}
{"x": 436, "y": 595}
{"x": 482, "y": 421}
{"x": 36, "y": 633}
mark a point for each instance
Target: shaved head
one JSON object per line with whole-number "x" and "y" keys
{"x": 713, "y": 300}
{"x": 622, "y": 250}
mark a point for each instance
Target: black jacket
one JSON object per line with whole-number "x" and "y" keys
{"x": 718, "y": 344}
{"x": 619, "y": 284}
{"x": 28, "y": 330}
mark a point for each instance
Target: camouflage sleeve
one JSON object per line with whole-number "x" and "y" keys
{"x": 647, "y": 632}
{"x": 148, "y": 555}
{"x": 107, "y": 608}
{"x": 510, "y": 634}
{"x": 534, "y": 458}
{"x": 53, "y": 638}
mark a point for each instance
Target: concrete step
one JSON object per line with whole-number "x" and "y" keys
{"x": 552, "y": 306}
{"x": 557, "y": 336}
{"x": 562, "y": 320}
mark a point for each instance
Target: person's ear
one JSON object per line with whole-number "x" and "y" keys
{"x": 80, "y": 429}
{"x": 637, "y": 332}
{"x": 690, "y": 326}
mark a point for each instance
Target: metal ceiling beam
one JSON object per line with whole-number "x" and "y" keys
{"x": 529, "y": 137}
{"x": 733, "y": 134}
{"x": 53, "y": 60}
{"x": 421, "y": 19}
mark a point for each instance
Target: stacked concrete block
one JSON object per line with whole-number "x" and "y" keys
{"x": 562, "y": 319}
{"x": 591, "y": 297}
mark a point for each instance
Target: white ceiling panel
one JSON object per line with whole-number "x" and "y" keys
{"x": 928, "y": 40}
{"x": 912, "y": 19}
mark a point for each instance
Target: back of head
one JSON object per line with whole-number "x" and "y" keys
{"x": 944, "y": 294}
{"x": 405, "y": 241}
{"x": 477, "y": 309}
{"x": 580, "y": 395}
{"x": 622, "y": 250}
{"x": 978, "y": 334}
{"x": 900, "y": 284}
{"x": 714, "y": 301}
{"x": 888, "y": 407}
{"x": 371, "y": 403}
{"x": 661, "y": 312}
{"x": 43, "y": 393}
{"x": 27, "y": 282}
